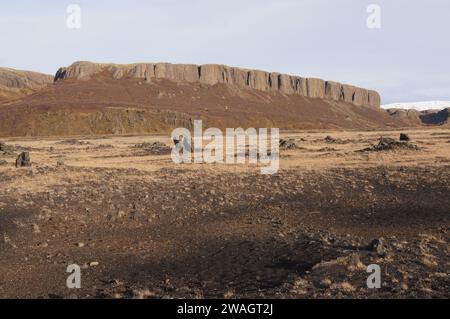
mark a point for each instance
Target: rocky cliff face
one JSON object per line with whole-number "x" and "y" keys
{"x": 15, "y": 79}
{"x": 212, "y": 74}
{"x": 15, "y": 84}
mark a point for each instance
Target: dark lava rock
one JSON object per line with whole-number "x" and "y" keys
{"x": 23, "y": 160}
{"x": 389, "y": 144}
{"x": 287, "y": 144}
{"x": 332, "y": 140}
{"x": 404, "y": 137}
{"x": 378, "y": 246}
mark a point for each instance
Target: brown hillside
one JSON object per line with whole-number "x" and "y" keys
{"x": 15, "y": 84}
{"x": 105, "y": 104}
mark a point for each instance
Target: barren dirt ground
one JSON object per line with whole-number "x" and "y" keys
{"x": 141, "y": 226}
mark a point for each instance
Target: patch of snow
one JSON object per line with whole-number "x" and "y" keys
{"x": 419, "y": 106}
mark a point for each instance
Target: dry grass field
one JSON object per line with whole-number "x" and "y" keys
{"x": 141, "y": 226}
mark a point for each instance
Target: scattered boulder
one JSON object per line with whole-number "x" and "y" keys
{"x": 23, "y": 160}
{"x": 378, "y": 246}
{"x": 155, "y": 148}
{"x": 404, "y": 137}
{"x": 332, "y": 140}
{"x": 288, "y": 144}
{"x": 6, "y": 149}
{"x": 60, "y": 162}
{"x": 389, "y": 144}
{"x": 3, "y": 163}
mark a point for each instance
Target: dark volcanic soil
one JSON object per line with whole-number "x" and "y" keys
{"x": 195, "y": 233}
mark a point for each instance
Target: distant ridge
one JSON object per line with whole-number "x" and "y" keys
{"x": 419, "y": 106}
{"x": 16, "y": 79}
{"x": 145, "y": 98}
{"x": 15, "y": 84}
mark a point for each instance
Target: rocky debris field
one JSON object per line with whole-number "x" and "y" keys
{"x": 181, "y": 233}
{"x": 140, "y": 226}
{"x": 288, "y": 144}
{"x": 389, "y": 144}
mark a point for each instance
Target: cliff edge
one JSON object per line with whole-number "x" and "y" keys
{"x": 212, "y": 74}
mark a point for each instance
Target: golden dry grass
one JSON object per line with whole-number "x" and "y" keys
{"x": 313, "y": 154}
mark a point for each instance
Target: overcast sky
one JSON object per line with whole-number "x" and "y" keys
{"x": 407, "y": 59}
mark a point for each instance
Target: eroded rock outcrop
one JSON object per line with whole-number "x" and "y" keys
{"x": 427, "y": 117}
{"x": 15, "y": 79}
{"x": 212, "y": 74}
{"x": 23, "y": 160}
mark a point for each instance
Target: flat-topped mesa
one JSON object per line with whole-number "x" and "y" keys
{"x": 221, "y": 74}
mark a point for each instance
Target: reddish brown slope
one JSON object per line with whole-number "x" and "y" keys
{"x": 103, "y": 105}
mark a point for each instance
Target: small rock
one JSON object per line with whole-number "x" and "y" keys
{"x": 36, "y": 229}
{"x": 404, "y": 137}
{"x": 94, "y": 264}
{"x": 332, "y": 140}
{"x": 287, "y": 144}
{"x": 389, "y": 144}
{"x": 326, "y": 283}
{"x": 355, "y": 262}
{"x": 377, "y": 245}
{"x": 23, "y": 160}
